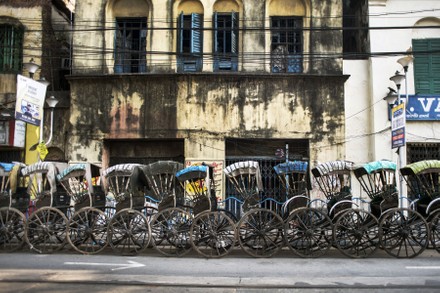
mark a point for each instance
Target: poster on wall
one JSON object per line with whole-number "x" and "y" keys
{"x": 30, "y": 100}
{"x": 19, "y": 134}
{"x": 218, "y": 172}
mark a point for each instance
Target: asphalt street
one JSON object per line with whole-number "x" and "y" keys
{"x": 67, "y": 271}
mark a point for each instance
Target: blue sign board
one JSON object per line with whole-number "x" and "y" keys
{"x": 423, "y": 107}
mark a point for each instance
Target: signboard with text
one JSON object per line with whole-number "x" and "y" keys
{"x": 30, "y": 100}
{"x": 398, "y": 126}
{"x": 423, "y": 107}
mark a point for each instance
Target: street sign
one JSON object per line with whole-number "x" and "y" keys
{"x": 398, "y": 126}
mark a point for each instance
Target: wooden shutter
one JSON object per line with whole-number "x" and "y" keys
{"x": 427, "y": 66}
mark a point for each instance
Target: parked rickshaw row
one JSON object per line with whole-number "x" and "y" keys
{"x": 174, "y": 209}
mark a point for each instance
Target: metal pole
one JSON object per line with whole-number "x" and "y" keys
{"x": 287, "y": 174}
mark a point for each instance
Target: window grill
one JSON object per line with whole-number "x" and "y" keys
{"x": 11, "y": 48}
{"x": 422, "y": 151}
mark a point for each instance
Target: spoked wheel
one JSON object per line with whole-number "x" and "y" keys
{"x": 435, "y": 230}
{"x": 87, "y": 232}
{"x": 46, "y": 230}
{"x": 170, "y": 232}
{"x": 260, "y": 233}
{"x": 128, "y": 232}
{"x": 403, "y": 233}
{"x": 213, "y": 234}
{"x": 308, "y": 232}
{"x": 356, "y": 233}
{"x": 12, "y": 229}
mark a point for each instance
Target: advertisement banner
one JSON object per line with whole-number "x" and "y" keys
{"x": 30, "y": 100}
{"x": 398, "y": 126}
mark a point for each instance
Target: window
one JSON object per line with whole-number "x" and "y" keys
{"x": 130, "y": 45}
{"x": 189, "y": 44}
{"x": 427, "y": 66}
{"x": 422, "y": 151}
{"x": 286, "y": 44}
{"x": 225, "y": 41}
{"x": 11, "y": 48}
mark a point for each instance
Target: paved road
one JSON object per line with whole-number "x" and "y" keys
{"x": 70, "y": 272}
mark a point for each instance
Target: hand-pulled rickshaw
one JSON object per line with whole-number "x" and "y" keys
{"x": 128, "y": 230}
{"x": 259, "y": 230}
{"x": 14, "y": 202}
{"x": 87, "y": 232}
{"x": 46, "y": 229}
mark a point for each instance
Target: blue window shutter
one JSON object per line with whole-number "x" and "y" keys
{"x": 196, "y": 33}
{"x": 180, "y": 33}
{"x": 234, "y": 41}
{"x": 197, "y": 39}
{"x": 117, "y": 54}
{"x": 234, "y": 33}
{"x": 180, "y": 23}
{"x": 214, "y": 41}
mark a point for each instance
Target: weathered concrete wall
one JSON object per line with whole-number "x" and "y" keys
{"x": 209, "y": 106}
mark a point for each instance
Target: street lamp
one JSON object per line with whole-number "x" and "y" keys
{"x": 405, "y": 62}
{"x": 31, "y": 67}
{"x": 390, "y": 98}
{"x": 51, "y": 102}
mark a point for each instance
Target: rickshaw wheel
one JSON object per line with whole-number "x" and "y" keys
{"x": 356, "y": 233}
{"x": 46, "y": 230}
{"x": 308, "y": 232}
{"x": 403, "y": 233}
{"x": 213, "y": 234}
{"x": 260, "y": 232}
{"x": 128, "y": 232}
{"x": 87, "y": 232}
{"x": 12, "y": 229}
{"x": 435, "y": 230}
{"x": 170, "y": 232}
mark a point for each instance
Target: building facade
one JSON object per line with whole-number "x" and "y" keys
{"x": 396, "y": 29}
{"x": 207, "y": 81}
{"x": 33, "y": 31}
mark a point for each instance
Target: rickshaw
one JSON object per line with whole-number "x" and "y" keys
{"x": 163, "y": 192}
{"x": 128, "y": 230}
{"x": 46, "y": 228}
{"x": 259, "y": 230}
{"x": 423, "y": 181}
{"x": 305, "y": 228}
{"x": 358, "y": 229}
{"x": 87, "y": 228}
{"x": 212, "y": 231}
{"x": 14, "y": 202}
{"x": 351, "y": 227}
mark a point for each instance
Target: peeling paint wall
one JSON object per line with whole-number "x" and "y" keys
{"x": 208, "y": 108}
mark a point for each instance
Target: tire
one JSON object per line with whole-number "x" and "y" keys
{"x": 308, "y": 232}
{"x": 46, "y": 230}
{"x": 260, "y": 233}
{"x": 87, "y": 232}
{"x": 12, "y": 229}
{"x": 403, "y": 233}
{"x": 170, "y": 232}
{"x": 213, "y": 234}
{"x": 128, "y": 232}
{"x": 356, "y": 233}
